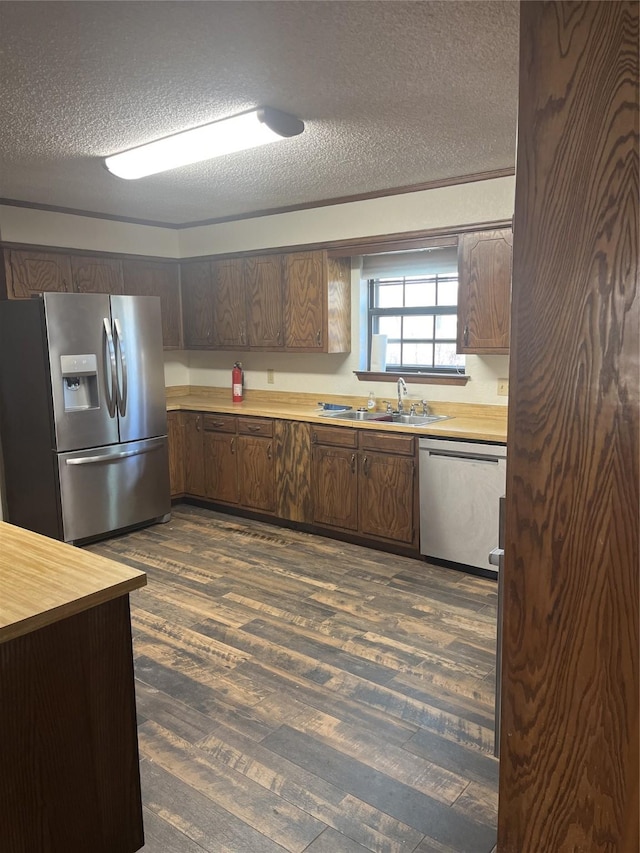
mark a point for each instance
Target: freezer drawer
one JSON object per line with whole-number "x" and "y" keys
{"x": 107, "y": 488}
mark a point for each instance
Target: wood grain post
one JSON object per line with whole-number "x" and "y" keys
{"x": 569, "y": 746}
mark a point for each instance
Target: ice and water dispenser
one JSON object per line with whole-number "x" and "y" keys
{"x": 80, "y": 382}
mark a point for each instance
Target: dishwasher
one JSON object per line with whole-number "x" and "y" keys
{"x": 461, "y": 483}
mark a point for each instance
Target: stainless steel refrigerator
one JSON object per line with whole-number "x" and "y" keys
{"x": 83, "y": 422}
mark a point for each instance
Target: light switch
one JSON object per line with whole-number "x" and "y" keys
{"x": 503, "y": 387}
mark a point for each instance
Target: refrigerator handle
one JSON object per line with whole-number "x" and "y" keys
{"x": 122, "y": 392}
{"x": 110, "y": 388}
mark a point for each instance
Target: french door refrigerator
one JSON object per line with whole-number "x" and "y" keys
{"x": 83, "y": 421}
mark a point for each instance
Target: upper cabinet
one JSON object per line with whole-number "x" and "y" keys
{"x": 28, "y": 273}
{"x": 294, "y": 302}
{"x": 157, "y": 278}
{"x": 96, "y": 275}
{"x": 484, "y": 291}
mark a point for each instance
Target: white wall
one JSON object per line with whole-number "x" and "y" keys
{"x": 46, "y": 228}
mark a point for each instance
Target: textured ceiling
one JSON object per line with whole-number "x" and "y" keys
{"x": 392, "y": 94}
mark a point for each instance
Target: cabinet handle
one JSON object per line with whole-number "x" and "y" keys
{"x": 242, "y": 337}
{"x": 253, "y": 428}
{"x": 466, "y": 335}
{"x": 365, "y": 466}
{"x": 314, "y": 437}
{"x": 353, "y": 463}
{"x": 319, "y": 337}
{"x": 269, "y": 451}
{"x": 233, "y": 444}
{"x": 198, "y": 424}
{"x": 278, "y": 335}
{"x": 217, "y": 423}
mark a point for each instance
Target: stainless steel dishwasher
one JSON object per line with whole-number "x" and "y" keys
{"x": 461, "y": 483}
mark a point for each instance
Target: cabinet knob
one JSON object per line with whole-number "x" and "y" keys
{"x": 269, "y": 452}
{"x": 365, "y": 466}
{"x": 465, "y": 335}
{"x": 233, "y": 444}
{"x": 353, "y": 463}
{"x": 319, "y": 337}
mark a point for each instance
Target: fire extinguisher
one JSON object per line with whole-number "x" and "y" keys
{"x": 237, "y": 382}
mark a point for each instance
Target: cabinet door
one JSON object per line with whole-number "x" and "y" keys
{"x": 97, "y": 275}
{"x": 29, "y": 273}
{"x": 229, "y": 304}
{"x": 193, "y": 454}
{"x": 263, "y": 282}
{"x": 152, "y": 278}
{"x": 484, "y": 291}
{"x": 305, "y": 299}
{"x": 175, "y": 430}
{"x": 197, "y": 304}
{"x": 220, "y": 467}
{"x": 386, "y": 497}
{"x": 335, "y": 487}
{"x": 293, "y": 470}
{"x": 256, "y": 473}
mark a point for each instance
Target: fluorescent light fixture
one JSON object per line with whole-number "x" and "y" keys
{"x": 247, "y": 130}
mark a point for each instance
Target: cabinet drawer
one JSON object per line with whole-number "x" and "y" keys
{"x": 404, "y": 445}
{"x": 335, "y": 436}
{"x": 255, "y": 426}
{"x": 219, "y": 423}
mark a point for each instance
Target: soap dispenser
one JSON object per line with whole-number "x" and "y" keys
{"x": 371, "y": 402}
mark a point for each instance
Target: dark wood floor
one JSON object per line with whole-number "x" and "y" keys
{"x": 301, "y": 694}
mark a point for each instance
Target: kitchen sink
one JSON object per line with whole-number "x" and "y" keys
{"x": 384, "y": 417}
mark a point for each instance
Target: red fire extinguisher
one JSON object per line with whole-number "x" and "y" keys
{"x": 237, "y": 382}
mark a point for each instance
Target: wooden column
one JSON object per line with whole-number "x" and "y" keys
{"x": 569, "y": 746}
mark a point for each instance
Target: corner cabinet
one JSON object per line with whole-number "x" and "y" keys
{"x": 484, "y": 292}
{"x": 299, "y": 302}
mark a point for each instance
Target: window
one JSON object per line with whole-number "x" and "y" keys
{"x": 412, "y": 299}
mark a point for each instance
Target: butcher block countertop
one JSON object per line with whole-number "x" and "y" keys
{"x": 469, "y": 421}
{"x": 43, "y": 581}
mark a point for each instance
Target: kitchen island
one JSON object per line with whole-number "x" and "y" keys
{"x": 70, "y": 778}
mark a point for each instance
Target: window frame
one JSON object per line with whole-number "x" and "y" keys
{"x": 416, "y": 311}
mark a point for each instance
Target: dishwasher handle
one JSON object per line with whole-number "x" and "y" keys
{"x": 458, "y": 454}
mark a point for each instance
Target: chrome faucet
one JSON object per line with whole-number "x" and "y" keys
{"x": 402, "y": 392}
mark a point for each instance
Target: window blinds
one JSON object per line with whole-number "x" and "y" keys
{"x": 419, "y": 262}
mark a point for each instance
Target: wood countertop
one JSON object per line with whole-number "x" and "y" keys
{"x": 43, "y": 581}
{"x": 466, "y": 420}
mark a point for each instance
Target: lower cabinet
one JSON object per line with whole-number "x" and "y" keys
{"x": 177, "y": 455}
{"x": 220, "y": 458}
{"x": 360, "y": 482}
{"x": 365, "y": 482}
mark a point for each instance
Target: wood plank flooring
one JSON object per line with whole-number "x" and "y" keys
{"x": 300, "y": 694}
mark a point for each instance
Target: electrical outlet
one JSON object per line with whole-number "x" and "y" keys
{"x": 503, "y": 387}
{"x": 269, "y": 377}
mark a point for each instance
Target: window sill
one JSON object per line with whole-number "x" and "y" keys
{"x": 413, "y": 378}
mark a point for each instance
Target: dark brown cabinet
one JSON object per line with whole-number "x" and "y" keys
{"x": 229, "y": 304}
{"x": 387, "y": 499}
{"x": 157, "y": 278}
{"x": 334, "y": 474}
{"x": 297, "y": 302}
{"x": 264, "y": 300}
{"x": 28, "y": 273}
{"x": 317, "y": 299}
{"x": 96, "y": 275}
{"x": 365, "y": 482}
{"x": 193, "y": 454}
{"x": 256, "y": 465}
{"x": 484, "y": 291}
{"x": 220, "y": 458}
{"x": 197, "y": 304}
{"x": 177, "y": 455}
{"x": 293, "y": 470}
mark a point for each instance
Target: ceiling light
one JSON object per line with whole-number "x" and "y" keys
{"x": 247, "y": 130}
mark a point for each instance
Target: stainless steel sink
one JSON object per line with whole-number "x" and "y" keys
{"x": 384, "y": 417}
